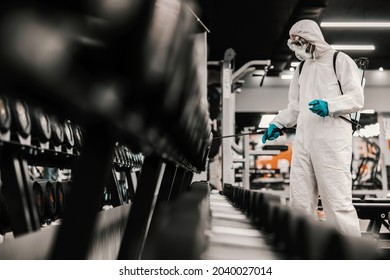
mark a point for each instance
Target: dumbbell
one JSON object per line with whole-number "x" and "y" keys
{"x": 41, "y": 128}
{"x": 66, "y": 187}
{"x": 78, "y": 138}
{"x": 114, "y": 156}
{"x": 120, "y": 159}
{"x": 182, "y": 234}
{"x": 123, "y": 156}
{"x": 60, "y": 199}
{"x": 128, "y": 158}
{"x": 68, "y": 137}
{"x": 40, "y": 200}
{"x": 57, "y": 137}
{"x": 21, "y": 122}
{"x": 5, "y": 119}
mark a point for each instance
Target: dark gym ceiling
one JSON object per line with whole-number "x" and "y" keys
{"x": 258, "y": 29}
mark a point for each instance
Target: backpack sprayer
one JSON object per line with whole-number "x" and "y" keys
{"x": 362, "y": 63}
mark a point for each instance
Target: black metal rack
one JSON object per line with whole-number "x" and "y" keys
{"x": 144, "y": 95}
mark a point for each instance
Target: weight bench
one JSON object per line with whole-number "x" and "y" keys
{"x": 378, "y": 214}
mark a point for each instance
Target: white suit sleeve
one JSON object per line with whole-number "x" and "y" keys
{"x": 288, "y": 117}
{"x": 352, "y": 99}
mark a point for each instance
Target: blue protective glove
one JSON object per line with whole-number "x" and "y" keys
{"x": 272, "y": 133}
{"x": 320, "y": 107}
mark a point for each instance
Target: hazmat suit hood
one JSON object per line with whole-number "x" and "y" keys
{"x": 311, "y": 32}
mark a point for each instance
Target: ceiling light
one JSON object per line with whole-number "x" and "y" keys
{"x": 356, "y": 24}
{"x": 380, "y": 69}
{"x": 265, "y": 120}
{"x": 286, "y": 77}
{"x": 354, "y": 47}
{"x": 292, "y": 69}
{"x": 368, "y": 111}
{"x": 295, "y": 63}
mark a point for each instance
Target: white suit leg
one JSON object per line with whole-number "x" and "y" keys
{"x": 303, "y": 186}
{"x": 335, "y": 185}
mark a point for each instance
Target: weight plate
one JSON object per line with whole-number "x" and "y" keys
{"x": 5, "y": 114}
{"x": 41, "y": 125}
{"x": 68, "y": 134}
{"x": 50, "y": 200}
{"x": 57, "y": 131}
{"x": 39, "y": 200}
{"x": 78, "y": 137}
{"x": 21, "y": 117}
{"x": 60, "y": 201}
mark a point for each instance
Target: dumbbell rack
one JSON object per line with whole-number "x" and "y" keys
{"x": 17, "y": 182}
{"x": 146, "y": 95}
{"x": 233, "y": 236}
{"x": 295, "y": 235}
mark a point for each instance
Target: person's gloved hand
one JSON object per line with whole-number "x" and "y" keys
{"x": 319, "y": 107}
{"x": 272, "y": 133}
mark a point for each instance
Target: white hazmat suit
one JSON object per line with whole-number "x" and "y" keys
{"x": 322, "y": 150}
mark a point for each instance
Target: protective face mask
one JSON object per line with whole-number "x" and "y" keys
{"x": 301, "y": 54}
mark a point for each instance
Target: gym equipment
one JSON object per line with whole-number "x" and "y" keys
{"x": 17, "y": 189}
{"x": 58, "y": 137}
{"x": 373, "y": 181}
{"x": 5, "y": 119}
{"x": 139, "y": 219}
{"x": 41, "y": 128}
{"x": 60, "y": 200}
{"x": 125, "y": 164}
{"x": 228, "y": 78}
{"x": 78, "y": 138}
{"x": 281, "y": 148}
{"x": 88, "y": 181}
{"x": 245, "y": 153}
{"x": 316, "y": 240}
{"x": 102, "y": 80}
{"x": 40, "y": 201}
{"x": 21, "y": 122}
{"x": 68, "y": 137}
{"x": 296, "y": 235}
{"x": 179, "y": 231}
{"x": 377, "y": 211}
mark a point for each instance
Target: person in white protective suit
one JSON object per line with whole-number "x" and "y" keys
{"x": 322, "y": 149}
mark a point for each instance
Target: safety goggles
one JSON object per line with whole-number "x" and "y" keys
{"x": 297, "y": 41}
